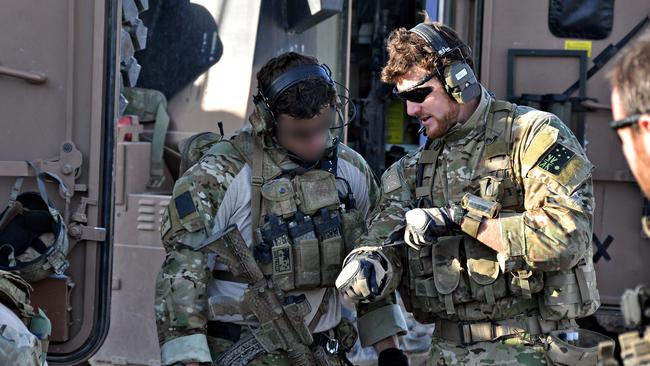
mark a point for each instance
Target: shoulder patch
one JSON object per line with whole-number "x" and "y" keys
{"x": 540, "y": 144}
{"x": 390, "y": 181}
{"x": 564, "y": 166}
{"x": 184, "y": 205}
{"x": 556, "y": 159}
{"x": 185, "y": 209}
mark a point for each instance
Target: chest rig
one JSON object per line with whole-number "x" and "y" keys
{"x": 302, "y": 225}
{"x": 461, "y": 278}
{"x": 460, "y": 269}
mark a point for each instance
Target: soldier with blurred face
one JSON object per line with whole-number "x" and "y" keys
{"x": 256, "y": 232}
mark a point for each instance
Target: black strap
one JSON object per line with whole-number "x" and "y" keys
{"x": 294, "y": 76}
{"x": 428, "y": 156}
{"x": 607, "y": 54}
{"x": 431, "y": 36}
{"x": 227, "y": 331}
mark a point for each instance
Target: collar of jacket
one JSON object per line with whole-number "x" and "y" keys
{"x": 461, "y": 132}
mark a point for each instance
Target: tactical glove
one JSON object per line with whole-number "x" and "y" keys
{"x": 425, "y": 225}
{"x": 364, "y": 275}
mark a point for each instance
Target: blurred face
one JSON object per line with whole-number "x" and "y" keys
{"x": 306, "y": 138}
{"x": 635, "y": 141}
{"x": 437, "y": 112}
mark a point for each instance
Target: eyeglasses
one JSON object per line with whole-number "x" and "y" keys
{"x": 416, "y": 93}
{"x": 624, "y": 122}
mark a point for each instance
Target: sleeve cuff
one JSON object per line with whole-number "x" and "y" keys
{"x": 513, "y": 236}
{"x": 192, "y": 348}
{"x": 381, "y": 323}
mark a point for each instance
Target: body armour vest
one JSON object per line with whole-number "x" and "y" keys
{"x": 460, "y": 278}
{"x": 303, "y": 224}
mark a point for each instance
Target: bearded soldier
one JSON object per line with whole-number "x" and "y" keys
{"x": 496, "y": 209}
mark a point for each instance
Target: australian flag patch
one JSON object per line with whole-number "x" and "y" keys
{"x": 556, "y": 159}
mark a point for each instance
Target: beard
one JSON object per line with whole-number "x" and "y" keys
{"x": 441, "y": 126}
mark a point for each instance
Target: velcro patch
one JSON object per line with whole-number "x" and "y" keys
{"x": 556, "y": 159}
{"x": 184, "y": 205}
{"x": 282, "y": 259}
{"x": 390, "y": 181}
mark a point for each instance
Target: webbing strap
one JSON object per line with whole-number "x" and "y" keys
{"x": 156, "y": 173}
{"x": 257, "y": 180}
{"x": 427, "y": 162}
{"x": 498, "y": 139}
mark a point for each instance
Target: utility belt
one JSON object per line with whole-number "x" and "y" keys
{"x": 565, "y": 344}
{"x": 335, "y": 342}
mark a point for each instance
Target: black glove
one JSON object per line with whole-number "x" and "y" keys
{"x": 392, "y": 357}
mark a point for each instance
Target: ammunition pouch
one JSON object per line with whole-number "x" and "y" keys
{"x": 525, "y": 283}
{"x": 305, "y": 234}
{"x": 332, "y": 250}
{"x": 570, "y": 294}
{"x": 279, "y": 197}
{"x": 316, "y": 189}
{"x": 306, "y": 251}
{"x": 450, "y": 278}
{"x": 353, "y": 226}
{"x": 485, "y": 279}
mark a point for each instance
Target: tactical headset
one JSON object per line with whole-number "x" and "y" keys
{"x": 458, "y": 78}
{"x": 265, "y": 99}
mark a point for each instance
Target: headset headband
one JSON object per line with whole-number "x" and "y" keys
{"x": 432, "y": 37}
{"x": 294, "y": 76}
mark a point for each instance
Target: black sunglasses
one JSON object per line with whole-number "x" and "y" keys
{"x": 416, "y": 93}
{"x": 624, "y": 122}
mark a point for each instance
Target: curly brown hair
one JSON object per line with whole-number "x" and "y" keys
{"x": 407, "y": 49}
{"x": 303, "y": 100}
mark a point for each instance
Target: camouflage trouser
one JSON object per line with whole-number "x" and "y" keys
{"x": 512, "y": 351}
{"x": 218, "y": 345}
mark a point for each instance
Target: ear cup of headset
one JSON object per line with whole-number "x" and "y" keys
{"x": 460, "y": 82}
{"x": 459, "y": 79}
{"x": 266, "y": 117}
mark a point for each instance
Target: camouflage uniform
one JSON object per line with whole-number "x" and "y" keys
{"x": 490, "y": 308}
{"x": 18, "y": 345}
{"x": 212, "y": 195}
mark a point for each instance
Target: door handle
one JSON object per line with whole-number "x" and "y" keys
{"x": 30, "y": 77}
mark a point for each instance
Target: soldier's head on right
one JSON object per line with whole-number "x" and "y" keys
{"x": 296, "y": 104}
{"x": 630, "y": 79}
{"x": 432, "y": 70}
